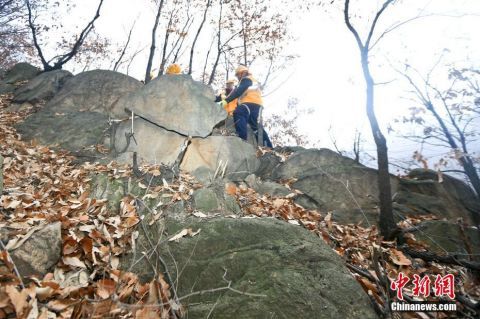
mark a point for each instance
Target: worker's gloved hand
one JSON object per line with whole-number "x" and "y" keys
{"x": 223, "y": 103}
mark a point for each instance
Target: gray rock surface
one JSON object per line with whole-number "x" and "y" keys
{"x": 268, "y": 163}
{"x": 94, "y": 91}
{"x": 73, "y": 131}
{"x": 177, "y": 103}
{"x": 43, "y": 86}
{"x": 219, "y": 151}
{"x": 331, "y": 180}
{"x": 422, "y": 193}
{"x": 40, "y": 252}
{"x": 300, "y": 276}
{"x": 20, "y": 72}
{"x": 6, "y": 88}
{"x": 152, "y": 143}
{"x": 213, "y": 199}
{"x": 446, "y": 237}
{"x": 267, "y": 188}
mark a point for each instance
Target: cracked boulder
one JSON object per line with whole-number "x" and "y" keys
{"x": 152, "y": 143}
{"x": 176, "y": 103}
{"x": 220, "y": 156}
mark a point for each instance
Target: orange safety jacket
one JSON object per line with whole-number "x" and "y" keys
{"x": 253, "y": 94}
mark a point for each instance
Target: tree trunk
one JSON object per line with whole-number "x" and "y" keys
{"x": 386, "y": 222}
{"x": 190, "y": 64}
{"x": 152, "y": 46}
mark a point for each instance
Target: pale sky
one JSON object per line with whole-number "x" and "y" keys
{"x": 327, "y": 75}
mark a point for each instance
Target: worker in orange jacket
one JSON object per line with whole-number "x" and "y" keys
{"x": 229, "y": 107}
{"x": 249, "y": 104}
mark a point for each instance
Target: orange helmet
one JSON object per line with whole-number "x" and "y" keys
{"x": 174, "y": 69}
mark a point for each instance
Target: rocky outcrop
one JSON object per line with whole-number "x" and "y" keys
{"x": 153, "y": 144}
{"x": 20, "y": 72}
{"x": 295, "y": 273}
{"x": 42, "y": 87}
{"x": 298, "y": 272}
{"x": 443, "y": 237}
{"x": 40, "y": 252}
{"x": 228, "y": 156}
{"x": 94, "y": 91}
{"x": 423, "y": 193}
{"x": 329, "y": 180}
{"x": 176, "y": 103}
{"x": 73, "y": 131}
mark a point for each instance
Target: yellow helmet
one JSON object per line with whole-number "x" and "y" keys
{"x": 173, "y": 69}
{"x": 241, "y": 69}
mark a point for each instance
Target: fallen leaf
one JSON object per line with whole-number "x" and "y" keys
{"x": 399, "y": 258}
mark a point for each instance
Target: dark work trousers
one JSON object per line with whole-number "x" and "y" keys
{"x": 247, "y": 113}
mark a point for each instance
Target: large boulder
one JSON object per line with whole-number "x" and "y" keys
{"x": 228, "y": 156}
{"x": 42, "y": 87}
{"x": 94, "y": 91}
{"x": 77, "y": 132}
{"x": 332, "y": 181}
{"x": 444, "y": 237}
{"x": 451, "y": 198}
{"x": 20, "y": 72}
{"x": 40, "y": 252}
{"x": 297, "y": 274}
{"x": 176, "y": 103}
{"x": 152, "y": 143}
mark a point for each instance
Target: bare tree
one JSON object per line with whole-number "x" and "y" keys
{"x": 122, "y": 53}
{"x": 455, "y": 111}
{"x": 200, "y": 27}
{"x": 148, "y": 71}
{"x": 60, "y": 60}
{"x": 387, "y": 224}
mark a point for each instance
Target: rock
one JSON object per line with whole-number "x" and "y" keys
{"x": 19, "y": 107}
{"x": 214, "y": 200}
{"x": 94, "y": 91}
{"x": 273, "y": 189}
{"x": 445, "y": 237}
{"x": 205, "y": 200}
{"x": 267, "y": 188}
{"x": 451, "y": 198}
{"x": 176, "y": 103}
{"x": 42, "y": 87}
{"x": 152, "y": 143}
{"x": 6, "y": 88}
{"x": 299, "y": 274}
{"x": 227, "y": 128}
{"x": 20, "y": 72}
{"x": 217, "y": 152}
{"x": 268, "y": 163}
{"x": 40, "y": 252}
{"x": 77, "y": 132}
{"x": 1, "y": 175}
{"x": 331, "y": 180}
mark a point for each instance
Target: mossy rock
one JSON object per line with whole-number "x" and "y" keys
{"x": 300, "y": 275}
